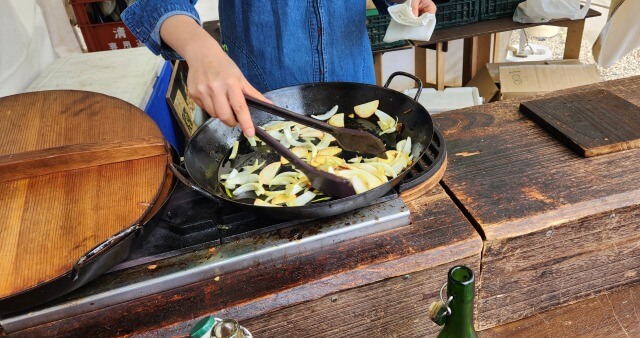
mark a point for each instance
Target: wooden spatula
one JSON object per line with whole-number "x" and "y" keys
{"x": 329, "y": 184}
{"x": 349, "y": 139}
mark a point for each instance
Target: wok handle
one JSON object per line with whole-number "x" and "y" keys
{"x": 103, "y": 247}
{"x": 411, "y": 76}
{"x": 288, "y": 115}
{"x": 183, "y": 176}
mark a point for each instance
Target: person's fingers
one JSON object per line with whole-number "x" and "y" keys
{"x": 248, "y": 89}
{"x": 415, "y": 7}
{"x": 202, "y": 98}
{"x": 240, "y": 110}
{"x": 430, "y": 7}
{"x": 200, "y": 104}
{"x": 222, "y": 107}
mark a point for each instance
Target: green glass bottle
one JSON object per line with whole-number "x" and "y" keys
{"x": 458, "y": 318}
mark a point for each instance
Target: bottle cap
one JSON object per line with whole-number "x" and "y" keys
{"x": 203, "y": 328}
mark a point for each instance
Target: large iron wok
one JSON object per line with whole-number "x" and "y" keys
{"x": 207, "y": 149}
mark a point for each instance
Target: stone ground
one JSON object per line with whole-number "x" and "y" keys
{"x": 625, "y": 67}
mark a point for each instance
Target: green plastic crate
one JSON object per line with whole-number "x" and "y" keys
{"x": 377, "y": 27}
{"x": 456, "y": 12}
{"x": 496, "y": 9}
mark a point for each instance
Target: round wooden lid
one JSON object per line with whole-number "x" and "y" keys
{"x": 75, "y": 168}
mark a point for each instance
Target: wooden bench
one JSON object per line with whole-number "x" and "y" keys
{"x": 477, "y": 44}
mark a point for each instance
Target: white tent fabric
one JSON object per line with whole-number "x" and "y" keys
{"x": 620, "y": 35}
{"x": 26, "y": 43}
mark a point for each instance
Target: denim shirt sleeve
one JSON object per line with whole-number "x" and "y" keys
{"x": 144, "y": 18}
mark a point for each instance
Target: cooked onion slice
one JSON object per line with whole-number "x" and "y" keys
{"x": 234, "y": 150}
{"x": 256, "y": 187}
{"x": 365, "y": 110}
{"x": 269, "y": 172}
{"x": 326, "y": 115}
{"x": 302, "y": 199}
{"x": 262, "y": 203}
{"x": 337, "y": 120}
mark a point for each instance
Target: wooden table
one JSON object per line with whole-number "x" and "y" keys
{"x": 477, "y": 44}
{"x": 378, "y": 285}
{"x": 558, "y": 228}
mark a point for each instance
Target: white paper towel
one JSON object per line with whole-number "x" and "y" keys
{"x": 405, "y": 25}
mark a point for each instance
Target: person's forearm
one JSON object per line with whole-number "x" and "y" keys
{"x": 187, "y": 38}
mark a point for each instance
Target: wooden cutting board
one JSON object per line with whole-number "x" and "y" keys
{"x": 592, "y": 123}
{"x": 75, "y": 168}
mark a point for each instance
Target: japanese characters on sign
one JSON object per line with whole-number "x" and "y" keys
{"x": 122, "y": 40}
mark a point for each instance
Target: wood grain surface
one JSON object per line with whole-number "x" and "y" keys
{"x": 81, "y": 167}
{"x": 438, "y": 238}
{"x": 558, "y": 227}
{"x": 594, "y": 122}
{"x": 610, "y": 315}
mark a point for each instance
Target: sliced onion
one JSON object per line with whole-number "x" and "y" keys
{"x": 269, "y": 172}
{"x": 356, "y": 159}
{"x": 282, "y": 199}
{"x": 385, "y": 121}
{"x": 262, "y": 203}
{"x": 252, "y": 140}
{"x": 232, "y": 174}
{"x": 293, "y": 189}
{"x": 234, "y": 150}
{"x": 366, "y": 109}
{"x": 250, "y": 169}
{"x": 282, "y": 181}
{"x": 302, "y": 199}
{"x": 291, "y": 140}
{"x": 358, "y": 186}
{"x": 325, "y": 142}
{"x": 404, "y": 146}
{"x": 277, "y": 125}
{"x": 326, "y": 115}
{"x": 275, "y": 134}
{"x": 337, "y": 120}
{"x": 308, "y": 132}
{"x": 329, "y": 151}
{"x": 256, "y": 187}
{"x": 301, "y": 152}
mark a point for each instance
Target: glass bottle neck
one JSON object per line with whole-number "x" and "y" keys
{"x": 460, "y": 286}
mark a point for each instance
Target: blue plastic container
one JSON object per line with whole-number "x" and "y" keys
{"x": 158, "y": 109}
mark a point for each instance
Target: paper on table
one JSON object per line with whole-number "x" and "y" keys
{"x": 405, "y": 25}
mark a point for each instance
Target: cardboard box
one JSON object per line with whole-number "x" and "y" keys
{"x": 526, "y": 81}
{"x": 494, "y": 68}
{"x": 436, "y": 101}
{"x": 540, "y": 77}
{"x": 485, "y": 84}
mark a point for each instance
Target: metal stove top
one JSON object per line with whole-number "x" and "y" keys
{"x": 190, "y": 222}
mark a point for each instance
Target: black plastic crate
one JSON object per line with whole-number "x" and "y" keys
{"x": 496, "y": 9}
{"x": 456, "y": 12}
{"x": 377, "y": 27}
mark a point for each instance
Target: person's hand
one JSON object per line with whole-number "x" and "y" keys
{"x": 420, "y": 7}
{"x": 218, "y": 86}
{"x": 214, "y": 81}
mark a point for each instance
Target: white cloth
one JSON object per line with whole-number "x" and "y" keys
{"x": 61, "y": 32}
{"x": 535, "y": 11}
{"x": 25, "y": 45}
{"x": 619, "y": 36}
{"x": 405, "y": 25}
